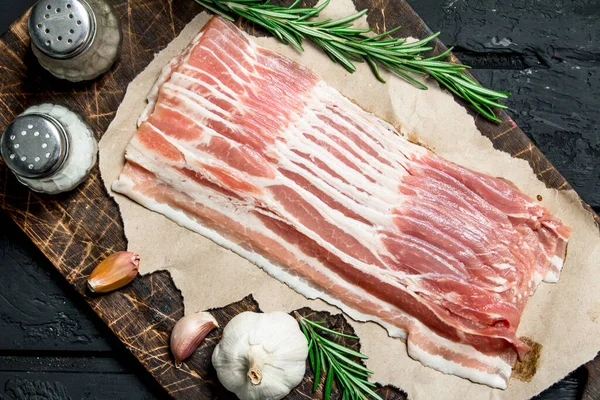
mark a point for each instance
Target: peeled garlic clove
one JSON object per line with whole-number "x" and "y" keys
{"x": 189, "y": 332}
{"x": 116, "y": 271}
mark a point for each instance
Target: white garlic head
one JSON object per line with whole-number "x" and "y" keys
{"x": 261, "y": 356}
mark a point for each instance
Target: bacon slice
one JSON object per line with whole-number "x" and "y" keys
{"x": 258, "y": 154}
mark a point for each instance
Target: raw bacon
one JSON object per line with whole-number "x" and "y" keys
{"x": 255, "y": 152}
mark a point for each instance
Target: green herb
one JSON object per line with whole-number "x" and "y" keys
{"x": 336, "y": 361}
{"x": 346, "y": 44}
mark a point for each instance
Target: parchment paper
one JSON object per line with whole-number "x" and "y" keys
{"x": 563, "y": 317}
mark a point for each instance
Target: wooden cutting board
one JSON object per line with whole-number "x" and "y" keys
{"x": 78, "y": 229}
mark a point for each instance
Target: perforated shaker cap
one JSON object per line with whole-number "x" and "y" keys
{"x": 34, "y": 146}
{"x": 62, "y": 28}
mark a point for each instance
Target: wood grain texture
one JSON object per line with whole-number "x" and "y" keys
{"x": 78, "y": 229}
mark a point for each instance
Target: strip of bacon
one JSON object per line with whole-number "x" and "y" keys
{"x": 258, "y": 154}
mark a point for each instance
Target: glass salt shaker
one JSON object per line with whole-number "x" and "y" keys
{"x": 49, "y": 148}
{"x": 75, "y": 39}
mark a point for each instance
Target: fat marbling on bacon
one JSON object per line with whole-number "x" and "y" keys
{"x": 255, "y": 152}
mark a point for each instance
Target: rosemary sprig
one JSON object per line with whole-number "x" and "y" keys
{"x": 345, "y": 44}
{"x": 336, "y": 362}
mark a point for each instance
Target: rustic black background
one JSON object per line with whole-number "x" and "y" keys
{"x": 546, "y": 52}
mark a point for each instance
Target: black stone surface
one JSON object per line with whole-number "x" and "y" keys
{"x": 546, "y": 52}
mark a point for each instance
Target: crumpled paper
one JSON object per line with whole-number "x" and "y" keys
{"x": 563, "y": 317}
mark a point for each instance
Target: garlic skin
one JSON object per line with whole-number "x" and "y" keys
{"x": 188, "y": 333}
{"x": 261, "y": 356}
{"x": 116, "y": 271}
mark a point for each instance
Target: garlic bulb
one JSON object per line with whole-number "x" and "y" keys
{"x": 261, "y": 356}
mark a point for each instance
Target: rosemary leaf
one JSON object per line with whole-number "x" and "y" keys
{"x": 328, "y": 383}
{"x": 349, "y": 18}
{"x": 343, "y": 359}
{"x": 320, "y": 326}
{"x": 313, "y": 359}
{"x": 442, "y": 55}
{"x": 345, "y": 395}
{"x": 406, "y": 77}
{"x": 317, "y": 370}
{"x": 374, "y": 68}
{"x": 386, "y": 34}
{"x": 323, "y": 362}
{"x": 364, "y": 374}
{"x": 334, "y": 346}
{"x": 349, "y": 31}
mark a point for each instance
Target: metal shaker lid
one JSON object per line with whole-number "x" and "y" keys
{"x": 34, "y": 145}
{"x": 62, "y": 28}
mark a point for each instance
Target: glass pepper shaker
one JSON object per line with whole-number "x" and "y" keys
{"x": 49, "y": 148}
{"x": 75, "y": 39}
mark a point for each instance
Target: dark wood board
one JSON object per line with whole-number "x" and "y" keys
{"x": 77, "y": 229}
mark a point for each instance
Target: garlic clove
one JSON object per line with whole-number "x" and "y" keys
{"x": 116, "y": 271}
{"x": 188, "y": 333}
